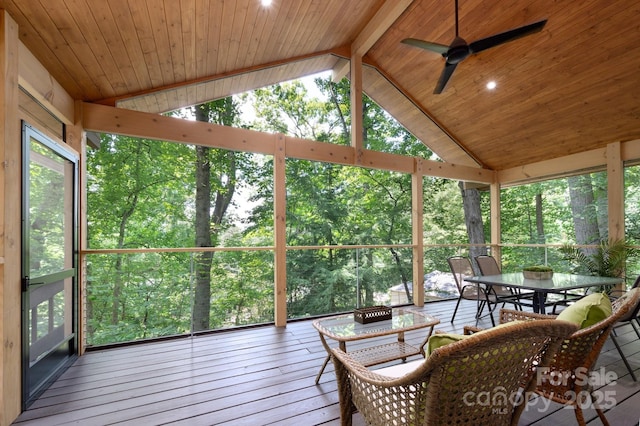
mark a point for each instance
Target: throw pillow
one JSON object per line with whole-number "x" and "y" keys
{"x": 441, "y": 339}
{"x": 588, "y": 310}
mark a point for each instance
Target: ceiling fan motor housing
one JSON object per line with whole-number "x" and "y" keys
{"x": 458, "y": 50}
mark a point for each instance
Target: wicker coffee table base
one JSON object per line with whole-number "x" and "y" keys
{"x": 380, "y": 354}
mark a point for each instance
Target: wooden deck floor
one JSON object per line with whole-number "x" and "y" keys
{"x": 257, "y": 376}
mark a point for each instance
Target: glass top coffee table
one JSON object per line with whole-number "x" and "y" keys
{"x": 344, "y": 328}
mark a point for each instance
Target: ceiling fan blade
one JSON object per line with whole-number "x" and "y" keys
{"x": 427, "y": 45}
{"x": 501, "y": 38}
{"x": 444, "y": 77}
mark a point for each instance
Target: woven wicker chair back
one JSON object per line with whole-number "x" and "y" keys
{"x": 570, "y": 372}
{"x": 474, "y": 381}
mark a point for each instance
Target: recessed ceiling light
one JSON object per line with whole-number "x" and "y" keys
{"x": 265, "y": 3}
{"x": 491, "y": 85}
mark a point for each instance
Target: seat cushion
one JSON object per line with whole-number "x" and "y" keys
{"x": 435, "y": 341}
{"x": 399, "y": 370}
{"x": 587, "y": 311}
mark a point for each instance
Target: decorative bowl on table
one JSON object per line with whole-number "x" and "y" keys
{"x": 538, "y": 272}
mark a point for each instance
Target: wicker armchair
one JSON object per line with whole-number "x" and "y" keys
{"x": 450, "y": 386}
{"x": 631, "y": 317}
{"x": 578, "y": 354}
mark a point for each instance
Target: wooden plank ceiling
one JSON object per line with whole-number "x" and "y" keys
{"x": 570, "y": 88}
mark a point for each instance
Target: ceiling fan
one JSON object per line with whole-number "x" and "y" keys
{"x": 459, "y": 49}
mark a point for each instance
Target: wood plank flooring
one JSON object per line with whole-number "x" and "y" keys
{"x": 259, "y": 376}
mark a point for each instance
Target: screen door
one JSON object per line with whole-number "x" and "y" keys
{"x": 49, "y": 223}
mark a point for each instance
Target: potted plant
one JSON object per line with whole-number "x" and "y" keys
{"x": 538, "y": 272}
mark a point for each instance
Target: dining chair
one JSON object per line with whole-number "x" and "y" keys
{"x": 578, "y": 353}
{"x": 451, "y": 385}
{"x": 460, "y": 268}
{"x": 487, "y": 265}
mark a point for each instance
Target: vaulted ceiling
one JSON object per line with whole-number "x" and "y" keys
{"x": 570, "y": 88}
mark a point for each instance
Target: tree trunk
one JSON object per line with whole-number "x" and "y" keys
{"x": 210, "y": 213}
{"x": 202, "y": 264}
{"x": 473, "y": 219}
{"x": 599, "y": 183}
{"x": 583, "y": 209}
{"x": 540, "y": 238}
{"x": 368, "y": 290}
{"x": 403, "y": 276}
{"x": 126, "y": 214}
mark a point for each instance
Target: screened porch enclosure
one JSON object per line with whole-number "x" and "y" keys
{"x": 83, "y": 68}
{"x": 138, "y": 293}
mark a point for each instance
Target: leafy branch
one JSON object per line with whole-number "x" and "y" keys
{"x": 608, "y": 260}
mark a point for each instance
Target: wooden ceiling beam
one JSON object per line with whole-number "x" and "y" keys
{"x": 377, "y": 26}
{"x": 111, "y": 120}
{"x": 339, "y": 51}
{"x": 573, "y": 164}
{"x": 357, "y": 119}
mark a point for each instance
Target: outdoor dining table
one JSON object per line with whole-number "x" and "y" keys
{"x": 560, "y": 283}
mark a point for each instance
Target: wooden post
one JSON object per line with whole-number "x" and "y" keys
{"x": 10, "y": 224}
{"x": 496, "y": 249}
{"x": 615, "y": 196}
{"x": 77, "y": 139}
{"x": 279, "y": 231}
{"x": 417, "y": 232}
{"x": 356, "y": 107}
{"x": 615, "y": 191}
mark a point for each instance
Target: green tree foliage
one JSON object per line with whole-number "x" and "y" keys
{"x": 572, "y": 210}
{"x": 607, "y": 260}
{"x": 136, "y": 198}
{"x": 46, "y": 220}
{"x": 216, "y": 173}
{"x": 632, "y": 205}
{"x": 136, "y": 193}
{"x": 142, "y": 194}
{"x": 330, "y": 205}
